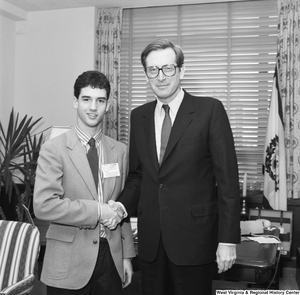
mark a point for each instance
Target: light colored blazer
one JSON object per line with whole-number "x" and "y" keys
{"x": 65, "y": 194}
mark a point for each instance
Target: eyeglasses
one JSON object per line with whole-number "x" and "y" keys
{"x": 168, "y": 70}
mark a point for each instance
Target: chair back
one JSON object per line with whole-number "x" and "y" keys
{"x": 19, "y": 249}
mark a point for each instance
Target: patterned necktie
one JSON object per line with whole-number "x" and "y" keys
{"x": 165, "y": 132}
{"x": 93, "y": 159}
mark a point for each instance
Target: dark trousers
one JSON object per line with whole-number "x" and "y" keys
{"x": 105, "y": 278}
{"x": 162, "y": 277}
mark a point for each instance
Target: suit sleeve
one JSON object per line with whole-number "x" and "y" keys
{"x": 226, "y": 172}
{"x": 127, "y": 239}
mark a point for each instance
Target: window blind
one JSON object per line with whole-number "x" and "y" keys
{"x": 230, "y": 51}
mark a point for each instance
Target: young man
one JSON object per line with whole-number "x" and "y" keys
{"x": 82, "y": 255}
{"x": 183, "y": 181}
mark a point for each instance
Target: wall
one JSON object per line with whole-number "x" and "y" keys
{"x": 52, "y": 49}
{"x": 7, "y": 67}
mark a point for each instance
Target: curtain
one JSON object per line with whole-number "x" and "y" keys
{"x": 289, "y": 66}
{"x": 108, "y": 39}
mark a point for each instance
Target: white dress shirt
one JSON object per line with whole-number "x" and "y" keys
{"x": 159, "y": 115}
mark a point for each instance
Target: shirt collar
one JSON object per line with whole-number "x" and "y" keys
{"x": 85, "y": 137}
{"x": 174, "y": 104}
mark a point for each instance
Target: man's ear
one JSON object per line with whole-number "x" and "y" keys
{"x": 107, "y": 105}
{"x": 75, "y": 102}
{"x": 146, "y": 77}
{"x": 182, "y": 71}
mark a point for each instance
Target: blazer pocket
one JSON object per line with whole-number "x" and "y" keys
{"x": 191, "y": 140}
{"x": 199, "y": 210}
{"x": 61, "y": 233}
{"x": 58, "y": 251}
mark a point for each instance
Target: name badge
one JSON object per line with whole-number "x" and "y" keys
{"x": 111, "y": 170}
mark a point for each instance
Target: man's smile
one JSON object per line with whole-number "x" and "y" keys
{"x": 92, "y": 115}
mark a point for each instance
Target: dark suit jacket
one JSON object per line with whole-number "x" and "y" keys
{"x": 180, "y": 200}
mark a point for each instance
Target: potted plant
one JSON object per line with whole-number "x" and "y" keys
{"x": 19, "y": 151}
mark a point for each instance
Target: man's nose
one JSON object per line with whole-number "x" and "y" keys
{"x": 93, "y": 105}
{"x": 161, "y": 75}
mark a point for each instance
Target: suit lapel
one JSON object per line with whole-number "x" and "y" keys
{"x": 79, "y": 159}
{"x": 110, "y": 156}
{"x": 149, "y": 131}
{"x": 183, "y": 118}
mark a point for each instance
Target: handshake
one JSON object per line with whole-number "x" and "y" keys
{"x": 112, "y": 214}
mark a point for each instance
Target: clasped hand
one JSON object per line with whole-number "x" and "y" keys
{"x": 112, "y": 214}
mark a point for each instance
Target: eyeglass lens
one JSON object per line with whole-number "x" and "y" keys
{"x": 168, "y": 70}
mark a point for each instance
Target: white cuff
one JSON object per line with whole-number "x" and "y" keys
{"x": 227, "y": 244}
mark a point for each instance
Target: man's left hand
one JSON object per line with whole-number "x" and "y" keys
{"x": 226, "y": 255}
{"x": 128, "y": 272}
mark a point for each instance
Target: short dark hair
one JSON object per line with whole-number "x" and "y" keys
{"x": 94, "y": 79}
{"x": 163, "y": 44}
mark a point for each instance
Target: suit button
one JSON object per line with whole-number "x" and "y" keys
{"x": 95, "y": 241}
{"x": 161, "y": 185}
